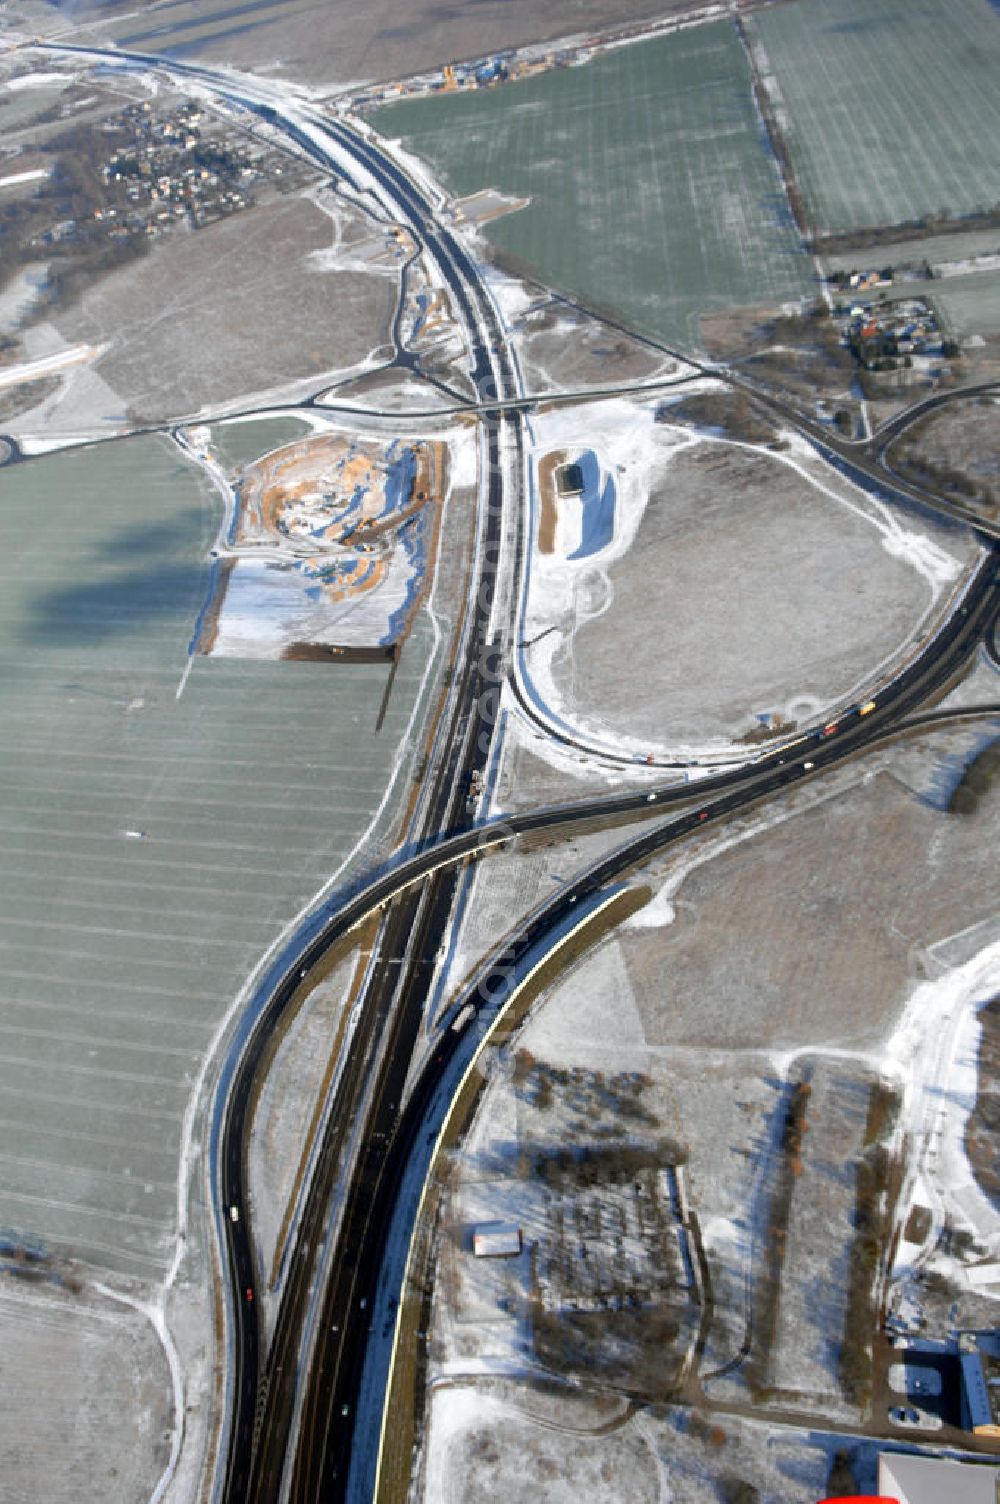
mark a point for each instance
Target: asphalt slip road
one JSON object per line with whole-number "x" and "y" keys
{"x": 865, "y": 461}
{"x": 379, "y": 1043}
{"x": 377, "y": 1060}
{"x": 893, "y": 427}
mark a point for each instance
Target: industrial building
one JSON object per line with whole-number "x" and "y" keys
{"x": 980, "y": 1385}
{"x": 913, "y": 1479}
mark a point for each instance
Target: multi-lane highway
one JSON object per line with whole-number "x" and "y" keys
{"x": 394, "y": 1139}
{"x": 292, "y": 1410}
{"x": 323, "y": 1457}
{"x": 265, "y": 1395}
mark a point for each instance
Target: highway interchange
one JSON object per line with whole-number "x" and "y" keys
{"x": 292, "y": 1405}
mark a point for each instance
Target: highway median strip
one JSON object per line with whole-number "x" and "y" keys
{"x": 404, "y": 1379}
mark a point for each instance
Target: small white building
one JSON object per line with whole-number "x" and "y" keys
{"x": 496, "y": 1240}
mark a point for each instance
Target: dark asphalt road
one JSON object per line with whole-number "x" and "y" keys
{"x": 853, "y": 458}
{"x": 893, "y": 427}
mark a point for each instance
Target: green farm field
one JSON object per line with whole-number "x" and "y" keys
{"x": 653, "y": 194}
{"x": 239, "y": 442}
{"x": 936, "y": 249}
{"x": 969, "y": 305}
{"x": 156, "y": 839}
{"x": 890, "y": 110}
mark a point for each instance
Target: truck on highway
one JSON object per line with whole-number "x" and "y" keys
{"x": 462, "y": 1018}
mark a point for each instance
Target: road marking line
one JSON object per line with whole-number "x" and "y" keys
{"x": 184, "y": 676}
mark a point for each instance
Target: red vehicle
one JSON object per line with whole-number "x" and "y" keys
{"x": 249, "y": 1293}
{"x": 829, "y": 728}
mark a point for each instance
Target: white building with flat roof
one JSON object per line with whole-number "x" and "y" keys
{"x": 934, "y": 1480}
{"x": 496, "y": 1240}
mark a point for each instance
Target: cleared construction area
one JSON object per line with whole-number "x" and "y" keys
{"x": 330, "y": 550}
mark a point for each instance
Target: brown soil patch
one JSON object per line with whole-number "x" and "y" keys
{"x": 876, "y": 1186}
{"x": 799, "y": 355}
{"x": 210, "y": 621}
{"x": 955, "y": 451}
{"x": 321, "y": 652}
{"x": 767, "y": 1283}
{"x": 548, "y": 465}
{"x": 21, "y": 399}
{"x": 731, "y": 412}
{"x": 335, "y": 466}
{"x": 982, "y": 1131}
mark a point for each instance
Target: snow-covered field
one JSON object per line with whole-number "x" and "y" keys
{"x": 87, "y": 1413}
{"x": 698, "y": 588}
{"x": 284, "y": 1127}
{"x": 788, "y": 947}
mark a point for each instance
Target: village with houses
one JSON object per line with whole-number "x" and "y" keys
{"x": 111, "y": 187}
{"x": 897, "y": 339}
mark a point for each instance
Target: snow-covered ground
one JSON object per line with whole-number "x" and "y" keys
{"x": 691, "y": 997}
{"x": 89, "y": 1404}
{"x": 698, "y": 586}
{"x": 284, "y": 1128}
{"x": 934, "y": 1054}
